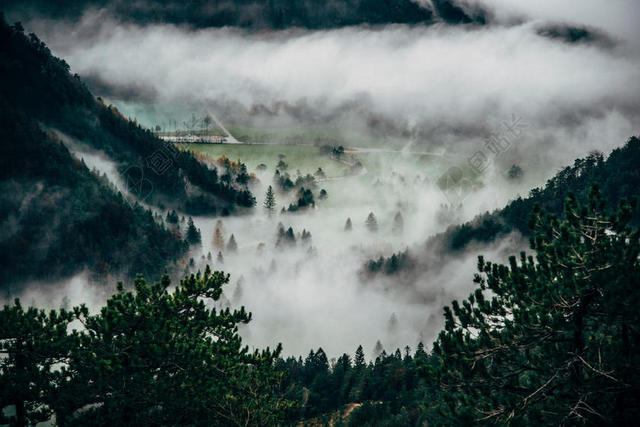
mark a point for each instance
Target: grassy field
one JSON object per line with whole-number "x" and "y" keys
{"x": 307, "y": 159}
{"x": 312, "y": 134}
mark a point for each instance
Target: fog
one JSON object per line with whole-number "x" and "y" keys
{"x": 447, "y": 82}
{"x": 437, "y": 89}
{"x": 318, "y": 299}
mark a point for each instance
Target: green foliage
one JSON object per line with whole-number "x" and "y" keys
{"x": 193, "y": 234}
{"x": 270, "y": 200}
{"x": 391, "y": 265}
{"x": 389, "y": 391}
{"x": 305, "y": 200}
{"x": 551, "y": 340}
{"x": 283, "y": 181}
{"x": 32, "y": 343}
{"x": 172, "y": 217}
{"x": 150, "y": 357}
{"x": 60, "y": 218}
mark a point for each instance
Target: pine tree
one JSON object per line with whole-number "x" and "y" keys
{"x": 220, "y": 258}
{"x": 359, "y": 361}
{"x": 159, "y": 340}
{"x": 193, "y": 233}
{"x": 372, "y": 223}
{"x": 32, "y": 342}
{"x": 556, "y": 339}
{"x": 347, "y": 225}
{"x": 232, "y": 246}
{"x": 172, "y": 217}
{"x": 421, "y": 354}
{"x": 270, "y": 201}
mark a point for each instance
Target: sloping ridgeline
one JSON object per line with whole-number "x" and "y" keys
{"x": 40, "y": 85}
{"x": 264, "y": 14}
{"x": 618, "y": 177}
{"x": 56, "y": 216}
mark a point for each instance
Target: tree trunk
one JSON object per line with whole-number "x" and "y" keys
{"x": 21, "y": 415}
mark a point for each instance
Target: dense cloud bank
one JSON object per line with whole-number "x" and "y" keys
{"x": 448, "y": 87}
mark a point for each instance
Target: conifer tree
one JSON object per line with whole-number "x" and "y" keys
{"x": 347, "y": 225}
{"x": 359, "y": 361}
{"x": 232, "y": 246}
{"x": 553, "y": 338}
{"x": 193, "y": 233}
{"x": 160, "y": 342}
{"x": 32, "y": 342}
{"x": 372, "y": 223}
{"x": 270, "y": 201}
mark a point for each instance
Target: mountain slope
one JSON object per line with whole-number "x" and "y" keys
{"x": 618, "y": 177}
{"x": 57, "y": 217}
{"x": 40, "y": 85}
{"x": 265, "y": 14}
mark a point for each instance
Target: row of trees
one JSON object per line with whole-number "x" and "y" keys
{"x": 305, "y": 200}
{"x": 371, "y": 223}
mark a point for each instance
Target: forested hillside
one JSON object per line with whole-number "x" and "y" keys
{"x": 268, "y": 14}
{"x": 618, "y": 176}
{"x": 39, "y": 85}
{"x": 58, "y": 217}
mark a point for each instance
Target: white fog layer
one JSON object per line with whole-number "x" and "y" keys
{"x": 444, "y": 90}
